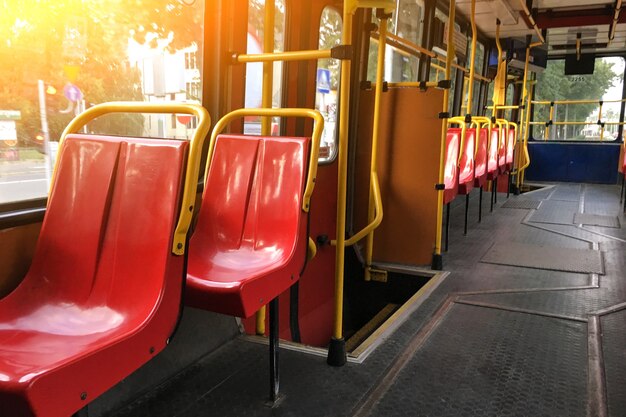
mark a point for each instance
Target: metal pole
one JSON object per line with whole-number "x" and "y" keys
{"x": 480, "y": 205}
{"x": 495, "y": 191}
{"x": 437, "y": 262}
{"x": 266, "y": 102}
{"x": 447, "y": 224}
{"x": 466, "y": 210}
{"x": 337, "y": 348}
{"x": 380, "y": 73}
{"x": 274, "y": 342}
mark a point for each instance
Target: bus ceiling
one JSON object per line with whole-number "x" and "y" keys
{"x": 567, "y": 26}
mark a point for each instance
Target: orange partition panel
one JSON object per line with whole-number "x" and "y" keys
{"x": 408, "y": 169}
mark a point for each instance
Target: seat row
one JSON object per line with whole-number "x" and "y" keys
{"x": 104, "y": 292}
{"x": 474, "y": 156}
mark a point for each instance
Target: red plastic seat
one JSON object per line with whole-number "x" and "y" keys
{"x": 103, "y": 293}
{"x": 466, "y": 165}
{"x": 450, "y": 176}
{"x": 492, "y": 155}
{"x": 510, "y": 146}
{"x": 502, "y": 152}
{"x": 480, "y": 172}
{"x": 250, "y": 241}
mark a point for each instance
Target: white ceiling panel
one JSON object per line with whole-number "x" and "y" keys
{"x": 508, "y": 11}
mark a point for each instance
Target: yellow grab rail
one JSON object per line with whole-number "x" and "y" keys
{"x": 437, "y": 262}
{"x": 267, "y": 87}
{"x": 484, "y": 121}
{"x": 296, "y": 112}
{"x": 336, "y": 350}
{"x": 193, "y": 160}
{"x": 283, "y": 56}
{"x": 375, "y": 190}
{"x": 375, "y": 204}
{"x": 546, "y": 102}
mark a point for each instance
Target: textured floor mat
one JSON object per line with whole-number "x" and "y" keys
{"x": 596, "y": 220}
{"x": 545, "y": 257}
{"x": 518, "y": 365}
{"x": 555, "y": 212}
{"x": 515, "y": 203}
{"x": 567, "y": 192}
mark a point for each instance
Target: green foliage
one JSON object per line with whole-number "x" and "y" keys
{"x": 554, "y": 85}
{"x": 39, "y": 39}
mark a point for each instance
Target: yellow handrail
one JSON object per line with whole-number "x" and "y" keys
{"x": 375, "y": 190}
{"x": 342, "y": 174}
{"x": 425, "y": 84}
{"x": 193, "y": 160}
{"x": 283, "y": 56}
{"x": 318, "y": 127}
{"x": 336, "y": 351}
{"x": 375, "y": 204}
{"x": 437, "y": 261}
{"x": 267, "y": 89}
{"x": 546, "y": 102}
{"x": 484, "y": 121}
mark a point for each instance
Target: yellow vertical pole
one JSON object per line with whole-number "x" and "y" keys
{"x": 525, "y": 112}
{"x": 380, "y": 72}
{"x": 526, "y": 129}
{"x": 472, "y": 72}
{"x": 437, "y": 262}
{"x": 464, "y": 103}
{"x": 546, "y": 135}
{"x": 266, "y": 102}
{"x": 336, "y": 351}
{"x": 600, "y": 120}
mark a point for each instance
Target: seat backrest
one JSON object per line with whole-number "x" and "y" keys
{"x": 481, "y": 154}
{"x": 106, "y": 236}
{"x": 253, "y": 195}
{"x": 510, "y": 146}
{"x": 453, "y": 139}
{"x": 502, "y": 149}
{"x": 466, "y": 165}
{"x": 492, "y": 153}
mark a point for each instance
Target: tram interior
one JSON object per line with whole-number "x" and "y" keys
{"x": 379, "y": 208}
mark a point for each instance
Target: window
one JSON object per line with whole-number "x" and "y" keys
{"x": 327, "y": 85}
{"x": 437, "y": 70}
{"x": 254, "y": 71}
{"x": 406, "y": 22}
{"x": 605, "y": 84}
{"x": 93, "y": 52}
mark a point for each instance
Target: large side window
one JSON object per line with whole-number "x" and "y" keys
{"x": 254, "y": 71}
{"x": 603, "y": 81}
{"x": 438, "y": 64}
{"x": 406, "y": 22}
{"x": 62, "y": 57}
{"x": 327, "y": 83}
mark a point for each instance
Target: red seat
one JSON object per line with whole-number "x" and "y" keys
{"x": 103, "y": 293}
{"x": 502, "y": 152}
{"x": 510, "y": 146}
{"x": 492, "y": 155}
{"x": 450, "y": 176}
{"x": 480, "y": 173}
{"x": 250, "y": 240}
{"x": 466, "y": 166}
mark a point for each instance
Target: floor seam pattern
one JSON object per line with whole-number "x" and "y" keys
{"x": 597, "y": 404}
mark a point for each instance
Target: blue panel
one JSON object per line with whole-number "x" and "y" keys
{"x": 573, "y": 162}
